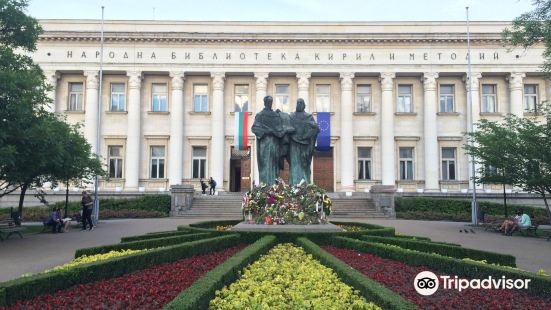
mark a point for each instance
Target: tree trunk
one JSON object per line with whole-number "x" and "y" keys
{"x": 22, "y": 198}
{"x": 547, "y": 207}
{"x": 66, "y": 197}
{"x": 505, "y": 201}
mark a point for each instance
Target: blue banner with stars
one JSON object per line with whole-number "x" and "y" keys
{"x": 324, "y": 137}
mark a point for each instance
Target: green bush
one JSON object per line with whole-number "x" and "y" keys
{"x": 428, "y": 208}
{"x": 29, "y": 287}
{"x": 446, "y": 250}
{"x": 370, "y": 289}
{"x": 141, "y": 244}
{"x": 146, "y": 206}
{"x": 154, "y": 235}
{"x": 539, "y": 285}
{"x": 198, "y": 295}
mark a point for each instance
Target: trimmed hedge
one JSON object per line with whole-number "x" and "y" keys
{"x": 539, "y": 285}
{"x": 162, "y": 234}
{"x": 141, "y": 244}
{"x": 370, "y": 289}
{"x": 29, "y": 287}
{"x": 446, "y": 250}
{"x": 428, "y": 208}
{"x": 198, "y": 295}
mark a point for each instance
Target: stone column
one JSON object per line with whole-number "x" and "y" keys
{"x": 516, "y": 105}
{"x": 303, "y": 81}
{"x": 474, "y": 87}
{"x": 387, "y": 129}
{"x": 133, "y": 136}
{"x": 347, "y": 132}
{"x": 176, "y": 146}
{"x": 261, "y": 88}
{"x": 91, "y": 109}
{"x": 430, "y": 132}
{"x": 51, "y": 77}
{"x": 217, "y": 143}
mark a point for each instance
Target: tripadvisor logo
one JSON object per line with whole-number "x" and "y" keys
{"x": 426, "y": 283}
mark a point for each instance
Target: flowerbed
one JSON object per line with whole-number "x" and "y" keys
{"x": 399, "y": 277}
{"x": 85, "y": 259}
{"x": 353, "y": 228}
{"x": 283, "y": 204}
{"x": 288, "y": 278}
{"x": 150, "y": 288}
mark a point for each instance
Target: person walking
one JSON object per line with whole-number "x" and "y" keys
{"x": 87, "y": 204}
{"x": 212, "y": 184}
{"x": 203, "y": 187}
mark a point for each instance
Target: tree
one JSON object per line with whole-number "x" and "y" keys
{"x": 533, "y": 28}
{"x": 519, "y": 146}
{"x": 22, "y": 89}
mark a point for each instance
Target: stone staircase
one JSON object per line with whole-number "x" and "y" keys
{"x": 224, "y": 206}
{"x": 355, "y": 208}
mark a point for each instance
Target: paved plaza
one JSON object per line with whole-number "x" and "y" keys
{"x": 35, "y": 253}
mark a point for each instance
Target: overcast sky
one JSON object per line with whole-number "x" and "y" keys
{"x": 281, "y": 10}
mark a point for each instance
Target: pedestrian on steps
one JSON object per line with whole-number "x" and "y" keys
{"x": 212, "y": 184}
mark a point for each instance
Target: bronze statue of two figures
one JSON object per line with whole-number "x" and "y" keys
{"x": 281, "y": 136}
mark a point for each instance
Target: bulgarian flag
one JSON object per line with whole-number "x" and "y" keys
{"x": 241, "y": 130}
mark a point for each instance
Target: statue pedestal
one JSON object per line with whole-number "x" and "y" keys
{"x": 383, "y": 197}
{"x": 312, "y": 228}
{"x": 181, "y": 199}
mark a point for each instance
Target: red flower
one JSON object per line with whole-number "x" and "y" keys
{"x": 150, "y": 288}
{"x": 399, "y": 277}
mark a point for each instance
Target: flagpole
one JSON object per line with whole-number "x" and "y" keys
{"x": 98, "y": 122}
{"x": 474, "y": 205}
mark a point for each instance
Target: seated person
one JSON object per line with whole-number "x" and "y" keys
{"x": 65, "y": 223}
{"x": 508, "y": 223}
{"x": 523, "y": 223}
{"x": 55, "y": 220}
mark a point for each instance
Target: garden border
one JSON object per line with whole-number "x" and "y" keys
{"x": 370, "y": 289}
{"x": 197, "y": 295}
{"x": 539, "y": 285}
{"x": 43, "y": 283}
{"x": 154, "y": 235}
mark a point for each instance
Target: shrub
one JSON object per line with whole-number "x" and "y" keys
{"x": 141, "y": 244}
{"x": 197, "y": 296}
{"x": 28, "y": 287}
{"x": 428, "y": 208}
{"x": 539, "y": 285}
{"x": 446, "y": 250}
{"x": 369, "y": 288}
{"x": 154, "y": 235}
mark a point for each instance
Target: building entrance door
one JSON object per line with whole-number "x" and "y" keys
{"x": 240, "y": 170}
{"x": 323, "y": 169}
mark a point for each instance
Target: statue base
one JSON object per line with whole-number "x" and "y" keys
{"x": 313, "y": 228}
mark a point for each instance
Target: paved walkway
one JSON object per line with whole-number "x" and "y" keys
{"x": 35, "y": 253}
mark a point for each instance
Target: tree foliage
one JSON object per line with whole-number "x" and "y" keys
{"x": 533, "y": 28}
{"x": 521, "y": 147}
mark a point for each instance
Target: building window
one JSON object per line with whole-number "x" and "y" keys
{"x": 447, "y": 95}
{"x": 323, "y": 95}
{"x": 448, "y": 163}
{"x": 364, "y": 163}
{"x": 117, "y": 97}
{"x": 282, "y": 97}
{"x": 489, "y": 98}
{"x": 75, "y": 96}
{"x": 200, "y": 98}
{"x": 530, "y": 97}
{"x": 115, "y": 162}
{"x": 363, "y": 98}
{"x": 157, "y": 162}
{"x": 199, "y": 162}
{"x": 405, "y": 99}
{"x": 406, "y": 163}
{"x": 158, "y": 97}
{"x": 241, "y": 98}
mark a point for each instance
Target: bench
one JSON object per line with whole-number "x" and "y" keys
{"x": 8, "y": 227}
{"x": 532, "y": 228}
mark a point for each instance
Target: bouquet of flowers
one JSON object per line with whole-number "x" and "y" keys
{"x": 283, "y": 204}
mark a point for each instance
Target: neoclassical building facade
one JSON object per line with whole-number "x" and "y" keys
{"x": 396, "y": 93}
